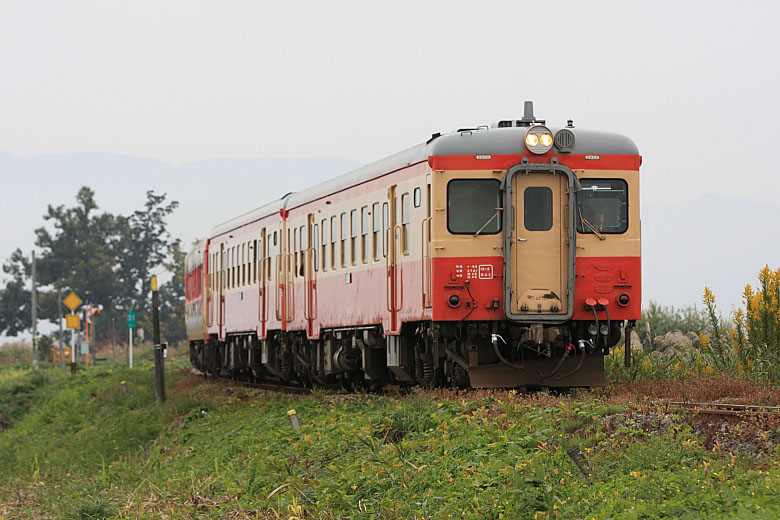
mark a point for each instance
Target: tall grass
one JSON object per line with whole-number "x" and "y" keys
{"x": 17, "y": 352}
{"x": 748, "y": 347}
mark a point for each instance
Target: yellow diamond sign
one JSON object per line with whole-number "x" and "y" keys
{"x": 72, "y": 301}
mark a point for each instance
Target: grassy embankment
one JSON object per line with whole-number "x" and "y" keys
{"x": 80, "y": 447}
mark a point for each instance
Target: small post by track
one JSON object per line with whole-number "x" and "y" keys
{"x": 159, "y": 361}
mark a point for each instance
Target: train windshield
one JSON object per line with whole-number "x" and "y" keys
{"x": 474, "y": 206}
{"x": 602, "y": 206}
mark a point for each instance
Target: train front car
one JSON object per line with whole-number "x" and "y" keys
{"x": 535, "y": 252}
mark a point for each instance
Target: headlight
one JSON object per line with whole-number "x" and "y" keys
{"x": 539, "y": 139}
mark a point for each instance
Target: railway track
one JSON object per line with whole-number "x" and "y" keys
{"x": 704, "y": 408}
{"x": 699, "y": 408}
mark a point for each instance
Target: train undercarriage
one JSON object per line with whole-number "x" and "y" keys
{"x": 474, "y": 354}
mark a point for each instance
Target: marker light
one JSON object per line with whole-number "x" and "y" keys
{"x": 539, "y": 139}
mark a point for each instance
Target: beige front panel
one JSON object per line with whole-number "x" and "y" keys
{"x": 539, "y": 256}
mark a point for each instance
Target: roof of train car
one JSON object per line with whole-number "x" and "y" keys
{"x": 497, "y": 141}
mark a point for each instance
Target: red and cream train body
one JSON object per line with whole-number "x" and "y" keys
{"x": 490, "y": 257}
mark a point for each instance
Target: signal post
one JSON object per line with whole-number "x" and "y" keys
{"x": 159, "y": 360}
{"x": 73, "y": 322}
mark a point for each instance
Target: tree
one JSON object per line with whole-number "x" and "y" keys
{"x": 15, "y": 314}
{"x": 107, "y": 259}
{"x": 172, "y": 296}
{"x": 143, "y": 246}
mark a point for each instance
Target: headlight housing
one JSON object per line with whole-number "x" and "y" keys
{"x": 539, "y": 139}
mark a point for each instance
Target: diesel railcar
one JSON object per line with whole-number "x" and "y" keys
{"x": 499, "y": 256}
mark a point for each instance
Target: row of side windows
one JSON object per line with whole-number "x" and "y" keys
{"x": 365, "y": 230}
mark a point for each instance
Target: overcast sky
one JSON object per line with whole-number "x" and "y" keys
{"x": 694, "y": 84}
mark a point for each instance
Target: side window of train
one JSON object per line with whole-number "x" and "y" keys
{"x": 474, "y": 206}
{"x": 364, "y": 224}
{"x": 353, "y": 236}
{"x": 334, "y": 231}
{"x": 385, "y": 226}
{"x": 324, "y": 244}
{"x": 344, "y": 234}
{"x": 405, "y": 219}
{"x": 537, "y": 208}
{"x": 602, "y": 206}
{"x": 377, "y": 228}
{"x": 417, "y": 197}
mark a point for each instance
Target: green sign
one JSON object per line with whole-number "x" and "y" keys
{"x": 131, "y": 320}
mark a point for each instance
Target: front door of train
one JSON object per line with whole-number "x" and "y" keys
{"x": 540, "y": 255}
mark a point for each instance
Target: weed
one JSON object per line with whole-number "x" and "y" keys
{"x": 93, "y": 509}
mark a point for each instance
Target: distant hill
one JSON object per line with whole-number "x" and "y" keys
{"x": 209, "y": 191}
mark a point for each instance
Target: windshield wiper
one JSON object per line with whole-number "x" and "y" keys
{"x": 591, "y": 226}
{"x": 498, "y": 210}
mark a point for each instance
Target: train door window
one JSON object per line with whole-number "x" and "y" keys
{"x": 304, "y": 243}
{"x": 315, "y": 234}
{"x": 268, "y": 259}
{"x": 377, "y": 228}
{"x": 364, "y": 223}
{"x": 602, "y": 205}
{"x": 385, "y": 226}
{"x": 228, "y": 270}
{"x": 537, "y": 208}
{"x": 295, "y": 251}
{"x": 324, "y": 244}
{"x": 244, "y": 266}
{"x": 334, "y": 230}
{"x": 474, "y": 206}
{"x": 254, "y": 261}
{"x": 405, "y": 219}
{"x": 417, "y": 197}
{"x": 344, "y": 234}
{"x": 353, "y": 236}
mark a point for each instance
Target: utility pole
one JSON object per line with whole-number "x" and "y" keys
{"x": 113, "y": 340}
{"x": 159, "y": 361}
{"x": 59, "y": 306}
{"x": 34, "y": 316}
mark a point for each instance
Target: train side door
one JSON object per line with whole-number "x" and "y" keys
{"x": 310, "y": 247}
{"x": 540, "y": 258}
{"x": 262, "y": 282}
{"x": 427, "y": 282}
{"x": 211, "y": 284}
{"x": 221, "y": 292}
{"x": 392, "y": 283}
{"x": 205, "y": 285}
{"x": 281, "y": 270}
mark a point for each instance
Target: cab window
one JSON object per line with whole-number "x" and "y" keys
{"x": 474, "y": 206}
{"x": 602, "y": 206}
